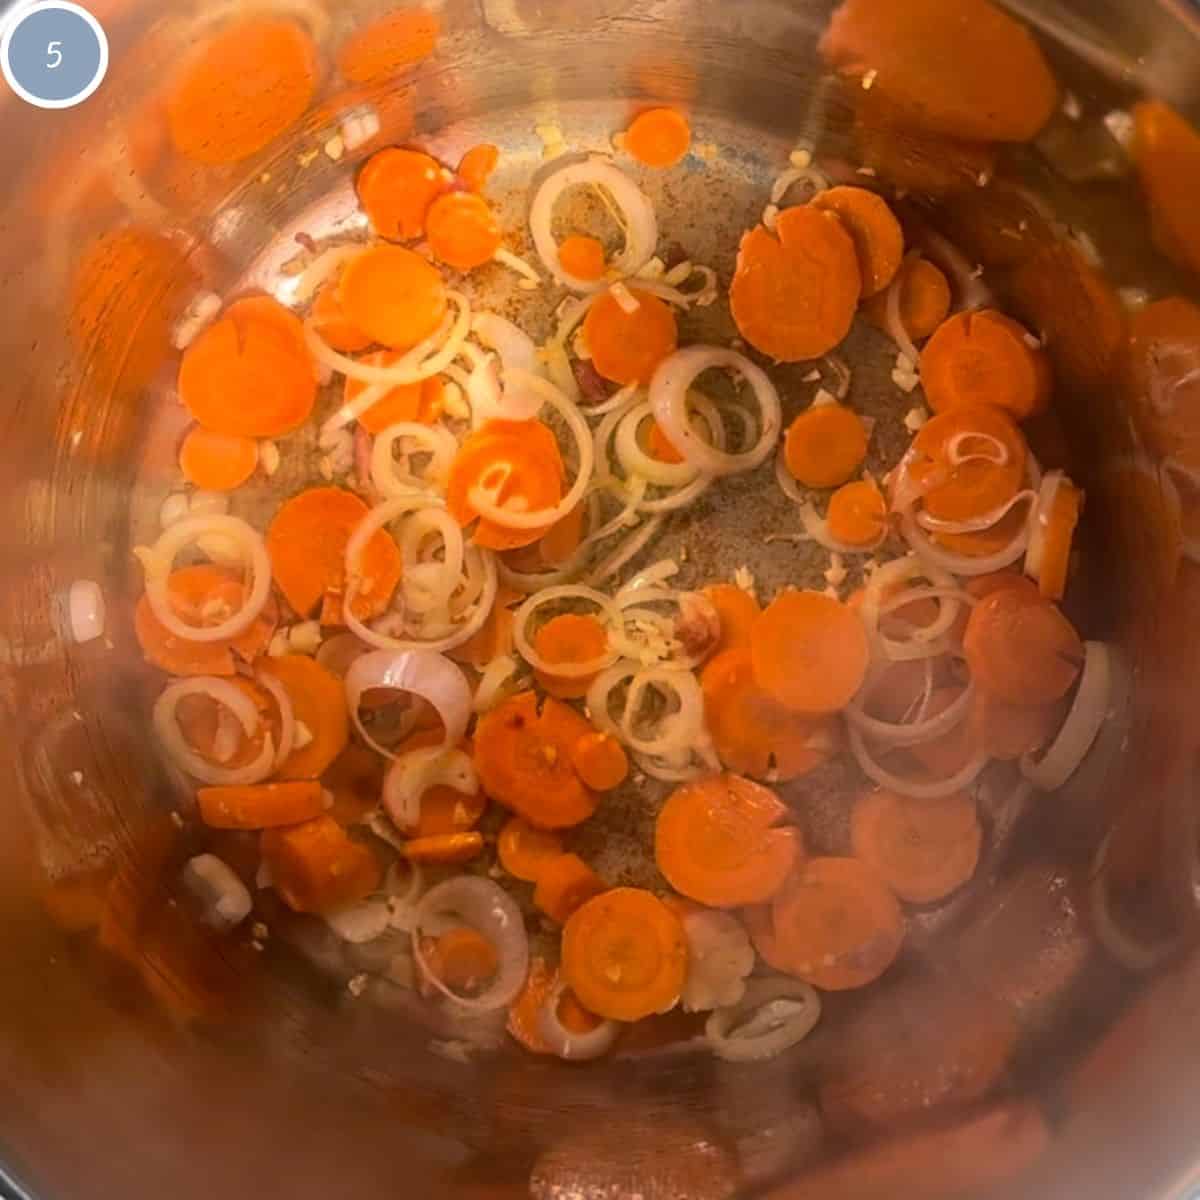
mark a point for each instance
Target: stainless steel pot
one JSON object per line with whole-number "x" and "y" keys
{"x": 130, "y": 1070}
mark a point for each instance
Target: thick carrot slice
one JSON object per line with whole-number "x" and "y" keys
{"x": 396, "y": 189}
{"x": 661, "y": 447}
{"x": 477, "y": 165}
{"x": 857, "y": 514}
{"x": 407, "y": 402}
{"x": 319, "y": 702}
{"x": 627, "y": 347}
{"x": 447, "y": 849}
{"x": 794, "y": 297}
{"x": 600, "y": 761}
{"x": 203, "y": 595}
{"x": 753, "y": 733}
{"x": 659, "y": 137}
{"x": 249, "y": 374}
{"x": 521, "y": 461}
{"x": 495, "y": 639}
{"x": 837, "y": 925}
{"x": 388, "y": 45}
{"x": 738, "y": 611}
{"x": 445, "y": 812}
{"x": 316, "y": 868}
{"x": 582, "y": 257}
{"x": 810, "y": 652}
{"x": 1058, "y": 538}
{"x": 878, "y": 238}
{"x": 307, "y": 543}
{"x": 217, "y": 462}
{"x": 393, "y": 295}
{"x": 264, "y": 806}
{"x": 564, "y": 885}
{"x": 463, "y": 959}
{"x": 986, "y": 358}
{"x": 524, "y": 851}
{"x": 524, "y": 761}
{"x": 462, "y": 230}
{"x": 569, "y": 639}
{"x": 924, "y": 299}
{"x": 241, "y": 89}
{"x": 922, "y": 849}
{"x": 332, "y": 324}
{"x": 759, "y": 920}
{"x": 1166, "y": 150}
{"x": 1010, "y": 731}
{"x": 720, "y": 841}
{"x": 625, "y": 955}
{"x": 826, "y": 446}
{"x": 356, "y": 783}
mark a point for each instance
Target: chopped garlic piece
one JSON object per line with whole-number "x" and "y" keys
{"x": 836, "y": 575}
{"x": 268, "y": 457}
{"x": 868, "y": 80}
{"x": 744, "y": 578}
{"x": 814, "y": 376}
{"x": 801, "y": 158}
{"x": 335, "y": 147}
{"x": 823, "y": 399}
{"x": 305, "y": 638}
{"x": 915, "y": 419}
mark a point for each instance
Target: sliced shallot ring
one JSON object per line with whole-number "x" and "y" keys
{"x": 1039, "y": 521}
{"x": 770, "y": 1031}
{"x": 976, "y": 524}
{"x": 412, "y": 775}
{"x": 893, "y": 323}
{"x": 287, "y": 715}
{"x": 899, "y": 570}
{"x": 490, "y": 688}
{"x": 514, "y": 346}
{"x": 573, "y": 1047}
{"x": 965, "y": 565}
{"x": 524, "y": 643}
{"x": 637, "y": 461}
{"x": 816, "y": 529}
{"x": 438, "y": 442}
{"x": 893, "y": 734}
{"x": 492, "y": 913}
{"x": 916, "y": 789}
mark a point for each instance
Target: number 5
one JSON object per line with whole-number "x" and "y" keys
{"x": 53, "y": 56}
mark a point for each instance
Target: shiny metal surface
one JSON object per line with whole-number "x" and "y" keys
{"x": 215, "y": 1069}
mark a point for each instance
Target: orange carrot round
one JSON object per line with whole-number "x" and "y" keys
{"x": 406, "y": 402}
{"x": 393, "y": 295}
{"x": 878, "y": 239}
{"x": 463, "y": 959}
{"x": 1010, "y": 731}
{"x": 217, "y": 462}
{"x": 1166, "y": 151}
{"x": 569, "y": 639}
{"x": 810, "y": 652}
{"x": 332, "y": 325}
{"x": 582, "y": 257}
{"x": 625, "y": 955}
{"x": 524, "y": 851}
{"x": 826, "y": 445}
{"x": 564, "y": 885}
{"x": 356, "y": 782}
{"x": 263, "y": 806}
{"x": 659, "y": 137}
{"x": 600, "y": 761}
{"x": 444, "y": 849}
{"x": 462, "y": 230}
{"x": 738, "y": 611}
{"x": 319, "y": 701}
{"x": 661, "y": 447}
{"x": 397, "y": 188}
{"x": 388, "y": 45}
{"x": 857, "y": 514}
{"x": 317, "y": 868}
{"x": 525, "y": 1012}
{"x": 627, "y": 347}
{"x": 477, "y": 165}
{"x": 924, "y": 299}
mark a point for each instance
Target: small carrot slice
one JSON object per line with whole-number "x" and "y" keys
{"x": 1022, "y": 649}
{"x": 922, "y": 849}
{"x": 524, "y": 761}
{"x": 810, "y": 652}
{"x": 857, "y": 514}
{"x": 564, "y": 885}
{"x": 600, "y": 761}
{"x": 393, "y": 295}
{"x": 388, "y": 45}
{"x": 1166, "y": 151}
{"x": 477, "y": 165}
{"x": 924, "y": 299}
{"x": 1058, "y": 538}
{"x": 985, "y": 357}
{"x": 837, "y": 925}
{"x": 263, "y": 806}
{"x": 463, "y": 959}
{"x": 524, "y": 851}
{"x": 319, "y": 702}
{"x": 563, "y": 538}
{"x": 307, "y": 543}
{"x": 738, "y": 611}
{"x": 569, "y": 639}
{"x": 217, "y": 462}
{"x": 421, "y": 403}
{"x": 397, "y": 188}
{"x": 317, "y": 868}
{"x": 627, "y": 347}
{"x": 1010, "y": 731}
{"x": 525, "y": 1012}
{"x": 332, "y": 324}
{"x": 826, "y": 446}
{"x": 495, "y": 639}
{"x": 582, "y": 257}
{"x": 462, "y": 230}
{"x": 659, "y": 137}
{"x": 448, "y": 849}
{"x": 625, "y": 955}
{"x": 794, "y": 296}
{"x": 878, "y": 238}
{"x": 720, "y": 841}
{"x": 445, "y": 811}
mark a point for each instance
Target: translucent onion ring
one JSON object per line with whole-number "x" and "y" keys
{"x": 524, "y": 644}
{"x": 772, "y": 1030}
{"x": 916, "y": 789}
{"x": 573, "y": 1047}
{"x": 441, "y": 445}
{"x": 894, "y": 734}
{"x": 892, "y": 321}
{"x": 287, "y": 715}
{"x": 1039, "y": 519}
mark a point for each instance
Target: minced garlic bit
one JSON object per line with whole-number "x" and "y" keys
{"x": 177, "y": 818}
{"x": 625, "y": 298}
{"x": 307, "y": 157}
{"x": 359, "y": 127}
{"x": 868, "y": 80}
{"x": 268, "y": 457}
{"x": 814, "y": 376}
{"x": 915, "y": 419}
{"x": 357, "y": 985}
{"x": 454, "y": 403}
{"x": 870, "y": 172}
{"x": 326, "y": 469}
{"x": 800, "y": 158}
{"x": 905, "y": 375}
{"x": 744, "y": 578}
{"x": 836, "y": 575}
{"x": 1134, "y": 299}
{"x": 305, "y": 638}
{"x": 706, "y": 151}
{"x": 335, "y": 147}
{"x": 196, "y": 318}
{"x": 654, "y": 269}
{"x": 770, "y": 217}
{"x": 1120, "y": 124}
{"x": 823, "y": 399}
{"x": 260, "y": 931}
{"x": 1071, "y": 108}
{"x": 553, "y": 142}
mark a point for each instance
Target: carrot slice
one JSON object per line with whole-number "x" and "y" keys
{"x": 397, "y": 188}
{"x": 447, "y": 849}
{"x": 983, "y": 543}
{"x": 307, "y": 543}
{"x": 564, "y": 885}
{"x": 1058, "y": 538}
{"x": 463, "y": 959}
{"x": 249, "y": 374}
{"x": 217, "y": 462}
{"x": 203, "y": 595}
{"x": 582, "y": 257}
{"x": 600, "y": 761}
{"x": 826, "y": 446}
{"x": 627, "y": 347}
{"x": 1010, "y": 731}
{"x": 356, "y": 783}
{"x": 319, "y": 702}
{"x": 521, "y": 461}
{"x": 759, "y": 921}
{"x": 525, "y": 1012}
{"x": 422, "y": 402}
{"x": 985, "y": 357}
{"x": 563, "y": 539}
{"x": 569, "y": 639}
{"x": 837, "y": 925}
{"x": 332, "y": 324}
{"x": 752, "y": 732}
{"x": 794, "y": 297}
{"x": 878, "y": 238}
{"x": 393, "y": 295}
{"x": 659, "y": 137}
{"x": 810, "y": 652}
{"x": 857, "y": 514}
{"x": 462, "y": 230}
{"x": 719, "y": 841}
{"x": 661, "y": 447}
{"x": 524, "y": 851}
{"x": 263, "y": 806}
{"x": 924, "y": 299}
{"x": 738, "y": 611}
{"x": 388, "y": 45}
{"x": 922, "y": 849}
{"x": 477, "y": 165}
{"x": 1166, "y": 151}
{"x": 445, "y": 811}
{"x": 241, "y": 89}
{"x": 317, "y": 868}
{"x": 1022, "y": 649}
{"x": 625, "y": 955}
{"x": 495, "y": 639}
{"x": 524, "y": 761}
